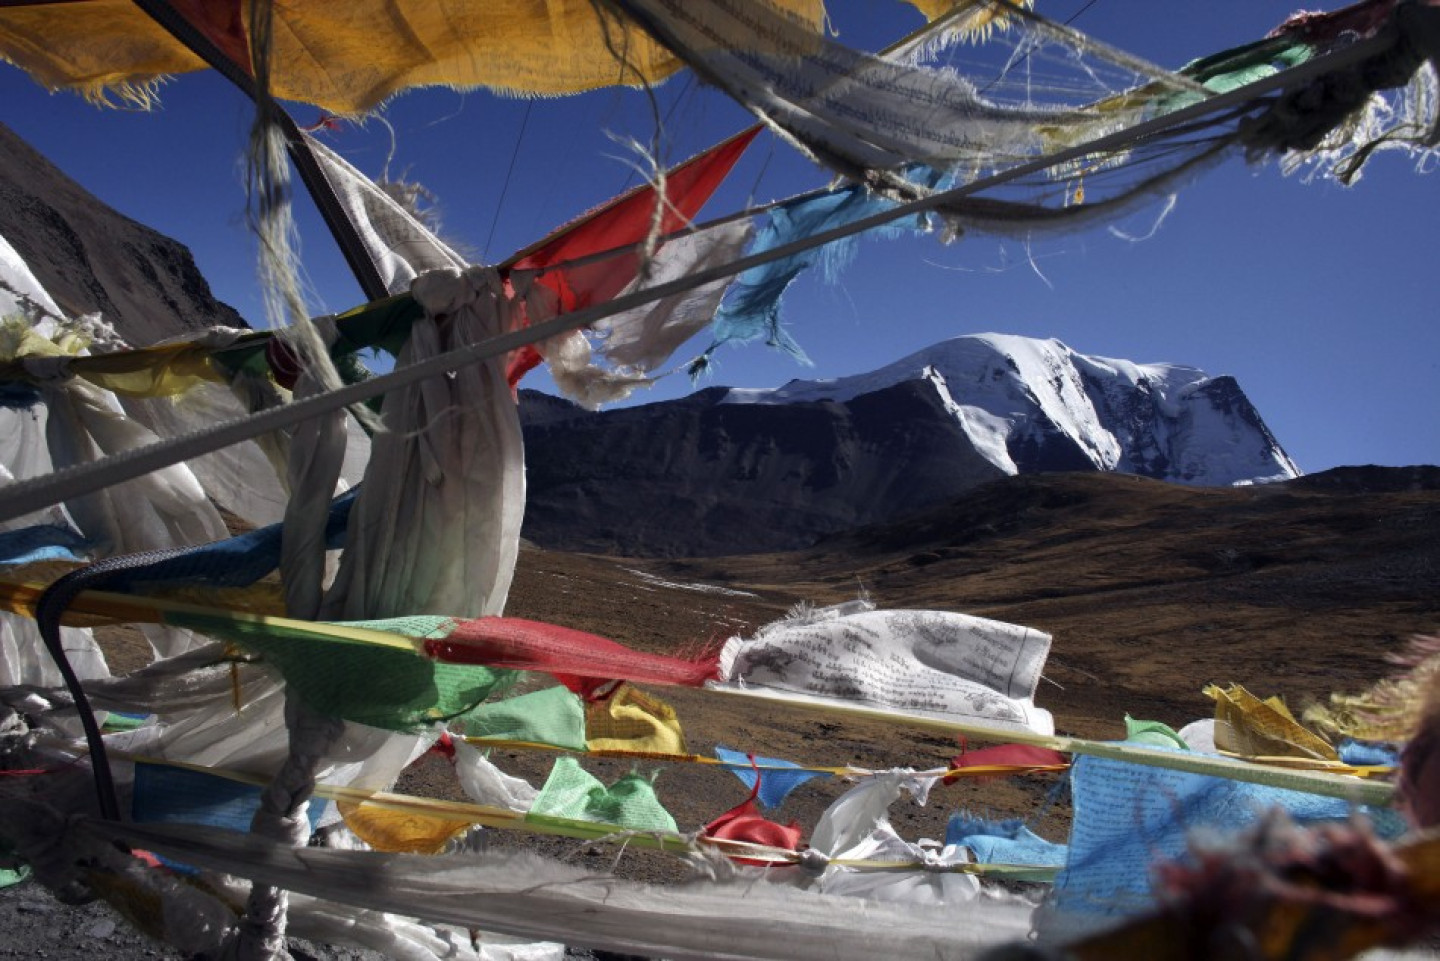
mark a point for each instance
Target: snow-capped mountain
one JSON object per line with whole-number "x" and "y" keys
{"x": 734, "y": 471}
{"x": 1033, "y": 404}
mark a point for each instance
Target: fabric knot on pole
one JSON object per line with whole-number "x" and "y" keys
{"x": 813, "y": 861}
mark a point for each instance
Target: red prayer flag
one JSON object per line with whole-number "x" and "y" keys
{"x": 585, "y": 663}
{"x": 1020, "y": 756}
{"x": 622, "y": 222}
{"x": 222, "y": 22}
{"x": 744, "y": 822}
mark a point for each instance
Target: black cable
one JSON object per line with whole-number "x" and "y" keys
{"x": 685, "y": 91}
{"x": 505, "y": 188}
{"x": 1076, "y": 15}
{"x": 48, "y": 611}
{"x": 1067, "y": 22}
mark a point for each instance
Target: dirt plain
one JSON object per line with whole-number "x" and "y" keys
{"x": 1150, "y": 590}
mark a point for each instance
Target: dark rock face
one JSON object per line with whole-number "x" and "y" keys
{"x": 1043, "y": 448}
{"x": 729, "y": 472}
{"x": 92, "y": 259}
{"x": 696, "y": 477}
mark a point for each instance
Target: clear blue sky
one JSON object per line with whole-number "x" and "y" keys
{"x": 1319, "y": 299}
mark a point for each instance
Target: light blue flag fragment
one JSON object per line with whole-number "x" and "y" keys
{"x": 775, "y": 785}
{"x": 1361, "y": 753}
{"x": 46, "y": 542}
{"x": 175, "y": 795}
{"x": 1002, "y": 842}
{"x": 751, "y": 309}
{"x": 1128, "y": 817}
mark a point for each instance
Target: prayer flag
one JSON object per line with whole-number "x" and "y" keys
{"x": 572, "y": 792}
{"x": 620, "y": 223}
{"x": 775, "y": 778}
{"x": 632, "y": 720}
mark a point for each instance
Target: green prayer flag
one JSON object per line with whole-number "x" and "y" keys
{"x": 389, "y": 688}
{"x": 552, "y": 716}
{"x": 9, "y": 877}
{"x": 572, "y": 792}
{"x": 1153, "y": 733}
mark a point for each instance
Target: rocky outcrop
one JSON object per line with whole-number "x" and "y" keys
{"x": 92, "y": 259}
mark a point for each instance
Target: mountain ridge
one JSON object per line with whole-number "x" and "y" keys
{"x": 92, "y": 259}
{"x": 728, "y": 470}
{"x": 1119, "y": 414}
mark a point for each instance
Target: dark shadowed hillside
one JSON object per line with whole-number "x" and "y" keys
{"x": 92, "y": 259}
{"x": 699, "y": 477}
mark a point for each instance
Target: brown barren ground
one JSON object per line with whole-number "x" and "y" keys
{"x": 1150, "y": 591}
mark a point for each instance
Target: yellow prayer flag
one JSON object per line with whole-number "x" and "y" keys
{"x": 1250, "y": 727}
{"x": 162, "y": 371}
{"x": 632, "y": 720}
{"x": 973, "y": 17}
{"x": 349, "y": 57}
{"x": 400, "y": 831}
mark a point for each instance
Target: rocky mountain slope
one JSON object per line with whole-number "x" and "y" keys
{"x": 91, "y": 258}
{"x": 735, "y": 471}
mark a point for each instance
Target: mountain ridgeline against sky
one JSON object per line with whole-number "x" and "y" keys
{"x": 91, "y": 259}
{"x": 735, "y": 471}
{"x": 730, "y": 471}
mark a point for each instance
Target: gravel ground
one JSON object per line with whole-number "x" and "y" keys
{"x": 38, "y": 926}
{"x": 35, "y": 925}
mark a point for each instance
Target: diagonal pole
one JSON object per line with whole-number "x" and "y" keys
{"x": 341, "y": 228}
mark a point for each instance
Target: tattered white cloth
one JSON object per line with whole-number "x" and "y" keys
{"x": 918, "y": 663}
{"x": 856, "y": 827}
{"x": 401, "y": 247}
{"x": 522, "y": 895}
{"x": 436, "y": 527}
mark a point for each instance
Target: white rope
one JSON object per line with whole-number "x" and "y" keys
{"x": 40, "y": 492}
{"x": 282, "y": 817}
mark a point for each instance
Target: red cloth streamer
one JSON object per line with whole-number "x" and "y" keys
{"x": 1362, "y": 18}
{"x": 327, "y": 121}
{"x": 1007, "y": 755}
{"x": 444, "y": 746}
{"x": 744, "y": 822}
{"x": 151, "y": 861}
{"x": 585, "y": 663}
{"x": 621, "y": 222}
{"x": 284, "y": 365}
